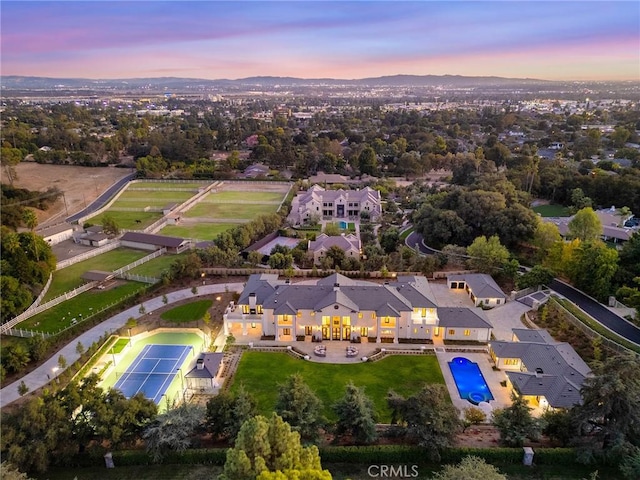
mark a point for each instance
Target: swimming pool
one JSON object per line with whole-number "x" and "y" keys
{"x": 469, "y": 380}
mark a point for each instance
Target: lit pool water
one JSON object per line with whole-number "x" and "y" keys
{"x": 469, "y": 380}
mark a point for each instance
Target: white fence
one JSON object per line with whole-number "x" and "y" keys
{"x": 37, "y": 301}
{"x": 51, "y": 303}
{"x": 139, "y": 278}
{"x": 140, "y": 261}
{"x": 5, "y": 327}
{"x": 89, "y": 254}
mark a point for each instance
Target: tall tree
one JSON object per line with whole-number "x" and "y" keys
{"x": 31, "y": 221}
{"x": 368, "y": 161}
{"x": 592, "y": 267}
{"x": 516, "y": 423}
{"x": 585, "y": 225}
{"x": 299, "y": 406}
{"x": 269, "y": 445}
{"x": 174, "y": 430}
{"x": 610, "y": 411}
{"x": 428, "y": 416}
{"x": 487, "y": 256}
{"x": 356, "y": 415}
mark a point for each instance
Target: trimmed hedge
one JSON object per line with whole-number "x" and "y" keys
{"x": 359, "y": 455}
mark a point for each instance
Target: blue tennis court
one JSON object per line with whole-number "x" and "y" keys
{"x": 153, "y": 370}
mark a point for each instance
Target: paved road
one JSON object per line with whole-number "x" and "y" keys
{"x": 42, "y": 375}
{"x": 598, "y": 311}
{"x": 415, "y": 239}
{"x": 102, "y": 199}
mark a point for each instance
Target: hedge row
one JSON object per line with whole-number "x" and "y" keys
{"x": 363, "y": 455}
{"x": 201, "y": 456}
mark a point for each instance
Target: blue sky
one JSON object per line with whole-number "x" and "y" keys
{"x": 586, "y": 40}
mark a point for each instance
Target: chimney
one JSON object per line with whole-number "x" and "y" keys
{"x": 252, "y": 300}
{"x": 336, "y": 287}
{"x": 200, "y": 364}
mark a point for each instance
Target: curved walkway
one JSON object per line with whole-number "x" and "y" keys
{"x": 42, "y": 375}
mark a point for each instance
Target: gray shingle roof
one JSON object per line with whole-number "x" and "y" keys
{"x": 537, "y": 336}
{"x": 356, "y": 295}
{"x": 158, "y": 240}
{"x": 482, "y": 285}
{"x": 557, "y": 363}
{"x": 462, "y": 317}
{"x": 211, "y": 364}
{"x": 345, "y": 242}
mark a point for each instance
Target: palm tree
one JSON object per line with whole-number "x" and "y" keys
{"x": 31, "y": 221}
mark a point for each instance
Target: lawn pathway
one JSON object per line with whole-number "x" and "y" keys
{"x": 43, "y": 374}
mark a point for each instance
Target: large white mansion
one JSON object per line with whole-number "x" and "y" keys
{"x": 334, "y": 204}
{"x": 339, "y": 308}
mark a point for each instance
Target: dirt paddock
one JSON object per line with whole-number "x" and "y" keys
{"x": 80, "y": 185}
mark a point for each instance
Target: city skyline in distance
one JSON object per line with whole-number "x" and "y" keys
{"x": 560, "y": 41}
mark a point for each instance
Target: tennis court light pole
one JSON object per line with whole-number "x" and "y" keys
{"x": 184, "y": 400}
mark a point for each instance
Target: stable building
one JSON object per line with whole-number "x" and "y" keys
{"x": 148, "y": 241}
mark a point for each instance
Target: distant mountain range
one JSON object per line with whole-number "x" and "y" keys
{"x": 27, "y": 83}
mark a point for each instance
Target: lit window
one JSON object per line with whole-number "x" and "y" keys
{"x": 467, "y": 333}
{"x": 452, "y": 332}
{"x": 286, "y": 331}
{"x": 364, "y": 332}
{"x": 299, "y": 313}
{"x": 359, "y": 314}
{"x": 253, "y": 324}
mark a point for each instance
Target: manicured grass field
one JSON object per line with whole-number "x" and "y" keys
{"x": 155, "y": 267}
{"x": 167, "y": 185}
{"x": 201, "y": 231}
{"x": 59, "y": 317}
{"x": 127, "y": 220}
{"x": 552, "y": 210}
{"x": 68, "y": 278}
{"x": 261, "y": 372}
{"x": 237, "y": 210}
{"x": 141, "y": 199}
{"x": 231, "y": 197}
{"x": 119, "y": 345}
{"x": 189, "y": 312}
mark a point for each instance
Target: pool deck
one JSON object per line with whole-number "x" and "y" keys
{"x": 493, "y": 378}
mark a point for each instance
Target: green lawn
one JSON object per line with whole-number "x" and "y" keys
{"x": 167, "y": 185}
{"x": 119, "y": 346}
{"x": 155, "y": 267}
{"x": 141, "y": 199}
{"x": 59, "y": 317}
{"x": 68, "y": 278}
{"x": 248, "y": 211}
{"x": 230, "y": 197}
{"x": 189, "y": 312}
{"x": 201, "y": 231}
{"x": 552, "y": 210}
{"x": 261, "y": 373}
{"x": 127, "y": 220}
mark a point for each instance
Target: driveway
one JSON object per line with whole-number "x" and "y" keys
{"x": 598, "y": 311}
{"x": 102, "y": 199}
{"x": 43, "y": 374}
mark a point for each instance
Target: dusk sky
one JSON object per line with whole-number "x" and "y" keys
{"x": 565, "y": 40}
